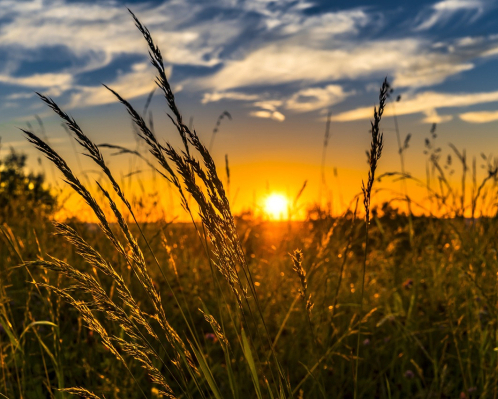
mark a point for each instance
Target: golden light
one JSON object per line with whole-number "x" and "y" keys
{"x": 276, "y": 206}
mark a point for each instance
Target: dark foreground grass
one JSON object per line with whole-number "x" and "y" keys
{"x": 218, "y": 308}
{"x": 429, "y": 311}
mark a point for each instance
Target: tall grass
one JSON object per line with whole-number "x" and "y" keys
{"x": 376, "y": 147}
{"x": 186, "y": 365}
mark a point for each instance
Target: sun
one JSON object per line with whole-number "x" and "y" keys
{"x": 276, "y": 206}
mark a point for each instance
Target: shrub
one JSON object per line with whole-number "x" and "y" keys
{"x": 23, "y": 195}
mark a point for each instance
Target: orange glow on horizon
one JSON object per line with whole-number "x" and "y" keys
{"x": 269, "y": 190}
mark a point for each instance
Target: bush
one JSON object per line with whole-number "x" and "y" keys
{"x": 22, "y": 195}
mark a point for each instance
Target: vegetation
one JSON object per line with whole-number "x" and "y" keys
{"x": 384, "y": 305}
{"x": 22, "y": 196}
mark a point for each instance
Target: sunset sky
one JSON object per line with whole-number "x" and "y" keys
{"x": 278, "y": 67}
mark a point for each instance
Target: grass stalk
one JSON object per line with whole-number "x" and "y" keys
{"x": 374, "y": 156}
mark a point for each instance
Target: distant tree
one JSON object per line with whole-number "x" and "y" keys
{"x": 23, "y": 195}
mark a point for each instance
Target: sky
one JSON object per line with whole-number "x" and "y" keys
{"x": 278, "y": 68}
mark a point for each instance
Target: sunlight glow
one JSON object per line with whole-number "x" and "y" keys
{"x": 276, "y": 206}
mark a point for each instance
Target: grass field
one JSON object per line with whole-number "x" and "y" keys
{"x": 375, "y": 303}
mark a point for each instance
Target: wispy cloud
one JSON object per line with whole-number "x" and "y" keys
{"x": 20, "y": 96}
{"x": 443, "y": 11}
{"x": 268, "y": 109}
{"x": 432, "y": 116}
{"x": 269, "y": 115}
{"x": 426, "y": 103}
{"x": 304, "y": 100}
{"x": 230, "y": 95}
{"x": 62, "y": 81}
{"x": 479, "y": 116}
{"x": 136, "y": 83}
{"x": 316, "y": 98}
{"x": 99, "y": 32}
{"x": 413, "y": 62}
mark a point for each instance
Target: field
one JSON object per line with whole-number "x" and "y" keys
{"x": 375, "y": 303}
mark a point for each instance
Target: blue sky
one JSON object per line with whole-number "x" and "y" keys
{"x": 277, "y": 66}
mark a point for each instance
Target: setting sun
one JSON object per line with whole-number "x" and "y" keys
{"x": 276, "y": 206}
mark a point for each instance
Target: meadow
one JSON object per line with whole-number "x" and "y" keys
{"x": 375, "y": 303}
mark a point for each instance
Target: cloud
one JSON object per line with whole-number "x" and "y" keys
{"x": 431, "y": 116}
{"x": 304, "y": 100}
{"x": 479, "y": 116}
{"x": 442, "y": 11}
{"x": 269, "y": 114}
{"x": 100, "y": 32}
{"x": 316, "y": 98}
{"x": 38, "y": 80}
{"x": 269, "y": 109}
{"x": 218, "y": 96}
{"x": 288, "y": 17}
{"x": 336, "y": 46}
{"x": 270, "y": 105}
{"x": 20, "y": 96}
{"x": 413, "y": 62}
{"x": 95, "y": 34}
{"x": 136, "y": 83}
{"x": 426, "y": 102}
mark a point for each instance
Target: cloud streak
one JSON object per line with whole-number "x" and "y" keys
{"x": 443, "y": 11}
{"x": 275, "y": 115}
{"x": 316, "y": 98}
{"x": 413, "y": 63}
{"x": 426, "y": 103}
{"x": 130, "y": 85}
{"x": 479, "y": 117}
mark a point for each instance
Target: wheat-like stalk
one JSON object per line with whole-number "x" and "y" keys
{"x": 376, "y": 147}
{"x": 297, "y": 260}
{"x": 218, "y": 331}
{"x": 136, "y": 259}
{"x": 81, "y": 392}
{"x": 374, "y": 154}
{"x": 214, "y": 207}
